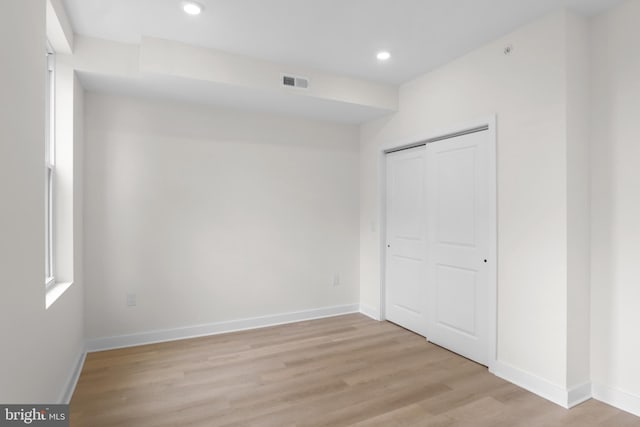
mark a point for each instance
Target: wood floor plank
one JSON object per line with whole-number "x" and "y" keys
{"x": 345, "y": 371}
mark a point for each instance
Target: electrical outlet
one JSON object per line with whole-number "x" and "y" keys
{"x": 336, "y": 279}
{"x": 132, "y": 300}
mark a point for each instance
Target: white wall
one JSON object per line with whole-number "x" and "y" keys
{"x": 615, "y": 136}
{"x": 78, "y": 193}
{"x": 159, "y": 56}
{"x": 40, "y": 348}
{"x": 578, "y": 202}
{"x": 214, "y": 215}
{"x": 528, "y": 92}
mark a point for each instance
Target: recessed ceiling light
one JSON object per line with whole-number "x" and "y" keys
{"x": 192, "y": 8}
{"x": 383, "y": 56}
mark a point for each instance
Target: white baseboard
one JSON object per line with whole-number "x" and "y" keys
{"x": 615, "y": 397}
{"x": 109, "y": 343}
{"x": 578, "y": 394}
{"x": 566, "y": 398}
{"x": 369, "y": 311}
{"x": 72, "y": 381}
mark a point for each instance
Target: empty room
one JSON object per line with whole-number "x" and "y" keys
{"x": 305, "y": 213}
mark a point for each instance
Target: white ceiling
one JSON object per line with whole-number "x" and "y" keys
{"x": 340, "y": 36}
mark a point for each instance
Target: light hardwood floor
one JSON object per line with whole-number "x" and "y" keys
{"x": 341, "y": 371}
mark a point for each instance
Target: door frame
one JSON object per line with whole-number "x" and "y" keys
{"x": 423, "y": 139}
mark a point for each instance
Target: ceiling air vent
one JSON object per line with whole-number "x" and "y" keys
{"x": 297, "y": 82}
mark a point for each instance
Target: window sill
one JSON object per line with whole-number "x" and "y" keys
{"x": 54, "y": 292}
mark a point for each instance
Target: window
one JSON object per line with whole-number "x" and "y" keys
{"x": 50, "y": 143}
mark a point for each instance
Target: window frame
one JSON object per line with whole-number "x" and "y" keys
{"x": 50, "y": 168}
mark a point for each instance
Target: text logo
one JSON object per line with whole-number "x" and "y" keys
{"x": 34, "y": 415}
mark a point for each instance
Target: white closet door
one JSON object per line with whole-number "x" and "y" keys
{"x": 458, "y": 244}
{"x": 405, "y": 282}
